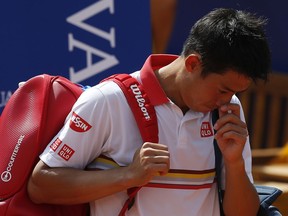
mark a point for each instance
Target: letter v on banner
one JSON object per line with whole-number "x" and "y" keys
{"x": 108, "y": 60}
{"x": 78, "y": 18}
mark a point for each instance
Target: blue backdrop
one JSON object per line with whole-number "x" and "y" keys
{"x": 189, "y": 11}
{"x": 86, "y": 40}
{"x": 83, "y": 40}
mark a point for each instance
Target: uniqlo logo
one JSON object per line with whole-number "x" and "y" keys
{"x": 55, "y": 144}
{"x": 79, "y": 124}
{"x": 206, "y": 130}
{"x": 66, "y": 152}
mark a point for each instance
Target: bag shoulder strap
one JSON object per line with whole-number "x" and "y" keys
{"x": 218, "y": 162}
{"x": 139, "y": 102}
{"x": 145, "y": 117}
{"x": 267, "y": 194}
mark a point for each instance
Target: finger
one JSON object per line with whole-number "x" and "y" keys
{"x": 229, "y": 109}
{"x": 229, "y": 120}
{"x": 157, "y": 149}
{"x": 158, "y": 169}
{"x": 160, "y": 160}
{"x": 161, "y": 168}
{"x": 156, "y": 165}
{"x": 232, "y": 136}
{"x": 156, "y": 159}
{"x": 154, "y": 152}
{"x": 231, "y": 128}
{"x": 155, "y": 146}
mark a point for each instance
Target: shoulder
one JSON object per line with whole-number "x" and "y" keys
{"x": 100, "y": 92}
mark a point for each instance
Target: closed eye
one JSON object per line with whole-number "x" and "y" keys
{"x": 223, "y": 91}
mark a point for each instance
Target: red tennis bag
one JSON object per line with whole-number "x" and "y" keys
{"x": 33, "y": 115}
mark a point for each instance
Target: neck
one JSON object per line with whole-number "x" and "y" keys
{"x": 167, "y": 77}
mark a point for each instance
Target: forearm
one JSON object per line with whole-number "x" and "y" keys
{"x": 56, "y": 186}
{"x": 72, "y": 186}
{"x": 240, "y": 198}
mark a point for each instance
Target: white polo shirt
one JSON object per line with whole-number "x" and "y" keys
{"x": 101, "y": 122}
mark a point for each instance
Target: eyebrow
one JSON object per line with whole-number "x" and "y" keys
{"x": 231, "y": 90}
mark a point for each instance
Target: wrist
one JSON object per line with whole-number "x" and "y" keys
{"x": 127, "y": 178}
{"x": 130, "y": 178}
{"x": 235, "y": 166}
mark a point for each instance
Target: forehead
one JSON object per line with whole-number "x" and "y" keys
{"x": 231, "y": 81}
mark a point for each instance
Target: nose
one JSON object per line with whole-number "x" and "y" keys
{"x": 224, "y": 99}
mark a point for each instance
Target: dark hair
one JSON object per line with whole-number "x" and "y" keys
{"x": 230, "y": 39}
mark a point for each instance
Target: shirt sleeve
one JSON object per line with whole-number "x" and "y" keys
{"x": 83, "y": 135}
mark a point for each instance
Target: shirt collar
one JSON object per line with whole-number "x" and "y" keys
{"x": 150, "y": 82}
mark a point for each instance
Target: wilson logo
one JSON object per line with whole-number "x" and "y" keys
{"x": 206, "y": 130}
{"x": 78, "y": 124}
{"x": 140, "y": 100}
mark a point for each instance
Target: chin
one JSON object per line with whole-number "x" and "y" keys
{"x": 202, "y": 110}
{"x": 206, "y": 110}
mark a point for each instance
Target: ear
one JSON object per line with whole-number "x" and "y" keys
{"x": 192, "y": 62}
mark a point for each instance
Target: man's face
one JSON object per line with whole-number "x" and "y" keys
{"x": 203, "y": 94}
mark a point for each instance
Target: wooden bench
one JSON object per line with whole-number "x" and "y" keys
{"x": 266, "y": 110}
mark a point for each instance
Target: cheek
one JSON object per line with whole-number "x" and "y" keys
{"x": 223, "y": 99}
{"x": 208, "y": 95}
{"x": 205, "y": 97}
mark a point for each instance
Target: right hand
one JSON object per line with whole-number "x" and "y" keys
{"x": 150, "y": 160}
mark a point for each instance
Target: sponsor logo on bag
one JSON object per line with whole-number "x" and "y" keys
{"x": 55, "y": 144}
{"x": 206, "y": 130}
{"x": 78, "y": 124}
{"x": 66, "y": 152}
{"x": 6, "y": 176}
{"x": 140, "y": 100}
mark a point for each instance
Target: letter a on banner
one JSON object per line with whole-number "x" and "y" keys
{"x": 91, "y": 69}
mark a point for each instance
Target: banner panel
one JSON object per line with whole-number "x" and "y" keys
{"x": 84, "y": 41}
{"x": 188, "y": 13}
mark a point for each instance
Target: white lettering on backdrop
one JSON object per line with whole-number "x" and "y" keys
{"x": 5, "y": 96}
{"x": 107, "y": 60}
